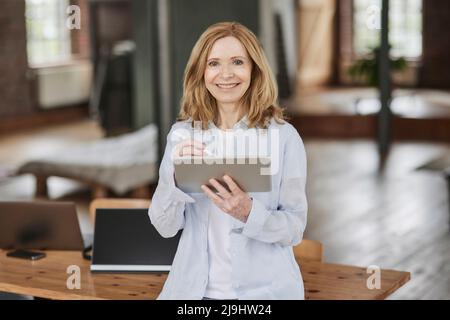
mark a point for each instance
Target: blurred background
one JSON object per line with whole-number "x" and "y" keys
{"x": 90, "y": 88}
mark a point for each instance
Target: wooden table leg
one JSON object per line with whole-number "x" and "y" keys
{"x": 142, "y": 192}
{"x": 41, "y": 186}
{"x": 99, "y": 191}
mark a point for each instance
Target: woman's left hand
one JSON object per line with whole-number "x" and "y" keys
{"x": 236, "y": 203}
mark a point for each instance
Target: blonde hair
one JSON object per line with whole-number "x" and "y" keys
{"x": 258, "y": 102}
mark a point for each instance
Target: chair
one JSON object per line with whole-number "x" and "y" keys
{"x": 309, "y": 250}
{"x": 117, "y": 203}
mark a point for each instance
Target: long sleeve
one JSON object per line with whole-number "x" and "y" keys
{"x": 168, "y": 203}
{"x": 286, "y": 224}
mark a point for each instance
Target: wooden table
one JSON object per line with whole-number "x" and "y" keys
{"x": 47, "y": 278}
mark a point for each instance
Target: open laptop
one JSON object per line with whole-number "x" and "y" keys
{"x": 42, "y": 225}
{"x": 126, "y": 241}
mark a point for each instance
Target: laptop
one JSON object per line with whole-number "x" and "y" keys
{"x": 126, "y": 241}
{"x": 42, "y": 225}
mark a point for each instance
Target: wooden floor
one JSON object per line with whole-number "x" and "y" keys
{"x": 394, "y": 217}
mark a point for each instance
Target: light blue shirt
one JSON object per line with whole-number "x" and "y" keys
{"x": 263, "y": 263}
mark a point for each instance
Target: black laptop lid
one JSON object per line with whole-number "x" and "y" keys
{"x": 125, "y": 240}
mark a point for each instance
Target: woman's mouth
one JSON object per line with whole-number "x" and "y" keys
{"x": 227, "y": 85}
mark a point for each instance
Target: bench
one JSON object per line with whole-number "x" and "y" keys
{"x": 127, "y": 163}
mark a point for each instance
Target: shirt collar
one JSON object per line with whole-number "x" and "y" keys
{"x": 241, "y": 124}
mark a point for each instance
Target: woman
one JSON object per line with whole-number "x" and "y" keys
{"x": 234, "y": 245}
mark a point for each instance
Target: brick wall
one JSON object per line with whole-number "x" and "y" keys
{"x": 80, "y": 38}
{"x": 15, "y": 89}
{"x": 17, "y": 94}
{"x": 436, "y": 44}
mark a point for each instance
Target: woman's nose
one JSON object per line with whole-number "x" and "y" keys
{"x": 227, "y": 72}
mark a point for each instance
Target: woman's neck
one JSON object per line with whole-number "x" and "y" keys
{"x": 229, "y": 115}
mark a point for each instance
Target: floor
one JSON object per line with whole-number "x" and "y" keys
{"x": 395, "y": 217}
{"x": 364, "y": 213}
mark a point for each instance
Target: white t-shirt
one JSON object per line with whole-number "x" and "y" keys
{"x": 219, "y": 281}
{"x": 227, "y": 144}
{"x": 219, "y": 226}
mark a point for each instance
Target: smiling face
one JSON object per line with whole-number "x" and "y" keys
{"x": 228, "y": 71}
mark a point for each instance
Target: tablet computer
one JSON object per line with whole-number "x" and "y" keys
{"x": 250, "y": 174}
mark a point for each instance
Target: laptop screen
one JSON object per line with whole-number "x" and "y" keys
{"x": 125, "y": 240}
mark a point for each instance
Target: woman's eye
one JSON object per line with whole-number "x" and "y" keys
{"x": 238, "y": 62}
{"x": 213, "y": 63}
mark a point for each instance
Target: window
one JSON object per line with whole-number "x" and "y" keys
{"x": 405, "y": 27}
{"x": 48, "y": 38}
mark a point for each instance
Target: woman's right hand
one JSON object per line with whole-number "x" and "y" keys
{"x": 190, "y": 147}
